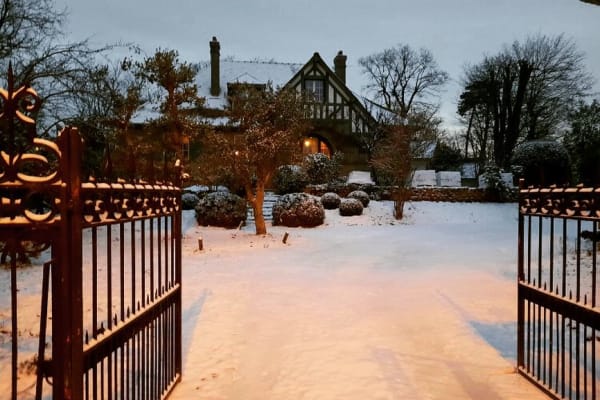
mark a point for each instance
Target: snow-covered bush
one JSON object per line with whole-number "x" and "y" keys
{"x": 494, "y": 184}
{"x": 289, "y": 179}
{"x": 189, "y": 201}
{"x": 542, "y": 162}
{"x": 330, "y": 200}
{"x": 298, "y": 209}
{"x": 349, "y": 207}
{"x": 360, "y": 195}
{"x": 222, "y": 209}
{"x": 321, "y": 169}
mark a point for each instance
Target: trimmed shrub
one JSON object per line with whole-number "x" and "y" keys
{"x": 321, "y": 169}
{"x": 189, "y": 201}
{"x": 542, "y": 162}
{"x": 360, "y": 195}
{"x": 349, "y": 207}
{"x": 298, "y": 209}
{"x": 222, "y": 209}
{"x": 330, "y": 200}
{"x": 289, "y": 179}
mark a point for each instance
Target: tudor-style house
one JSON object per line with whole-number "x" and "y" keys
{"x": 337, "y": 116}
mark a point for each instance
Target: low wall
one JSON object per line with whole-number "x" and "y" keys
{"x": 445, "y": 194}
{"x": 450, "y": 194}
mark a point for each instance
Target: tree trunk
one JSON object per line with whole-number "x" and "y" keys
{"x": 257, "y": 205}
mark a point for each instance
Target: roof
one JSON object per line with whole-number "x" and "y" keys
{"x": 278, "y": 74}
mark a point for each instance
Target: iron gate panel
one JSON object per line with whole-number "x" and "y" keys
{"x": 115, "y": 268}
{"x": 558, "y": 312}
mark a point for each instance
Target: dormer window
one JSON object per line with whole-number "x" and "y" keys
{"x": 315, "y": 89}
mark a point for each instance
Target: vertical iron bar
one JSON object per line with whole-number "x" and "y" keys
{"x": 520, "y": 299}
{"x": 151, "y": 259}
{"x": 122, "y": 267}
{"x": 94, "y": 281}
{"x": 578, "y": 250}
{"x": 545, "y": 345}
{"x": 540, "y": 242}
{"x": 551, "y": 254}
{"x": 159, "y": 255}
{"x": 14, "y": 324}
{"x": 43, "y": 322}
{"x": 143, "y": 259}
{"x": 564, "y": 259}
{"x": 133, "y": 281}
{"x": 529, "y": 249}
{"x": 109, "y": 319}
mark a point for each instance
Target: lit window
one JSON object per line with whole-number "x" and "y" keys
{"x": 314, "y": 88}
{"x": 313, "y": 145}
{"x": 185, "y": 147}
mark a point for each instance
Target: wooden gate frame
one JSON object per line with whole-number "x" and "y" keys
{"x": 69, "y": 206}
{"x": 558, "y": 314}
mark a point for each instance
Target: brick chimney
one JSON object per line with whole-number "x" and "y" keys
{"x": 339, "y": 65}
{"x": 215, "y": 76}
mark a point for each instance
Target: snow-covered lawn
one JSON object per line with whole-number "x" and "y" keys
{"x": 362, "y": 307}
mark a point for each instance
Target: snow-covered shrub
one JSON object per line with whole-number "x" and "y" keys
{"x": 330, "y": 200}
{"x": 494, "y": 184}
{"x": 349, "y": 207}
{"x": 222, "y": 209}
{"x": 321, "y": 169}
{"x": 189, "y": 201}
{"x": 360, "y": 195}
{"x": 298, "y": 209}
{"x": 289, "y": 179}
{"x": 542, "y": 162}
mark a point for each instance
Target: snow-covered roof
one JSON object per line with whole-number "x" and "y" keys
{"x": 255, "y": 72}
{"x": 231, "y": 71}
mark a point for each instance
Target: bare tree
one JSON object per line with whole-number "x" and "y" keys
{"x": 270, "y": 125}
{"x": 525, "y": 92}
{"x": 114, "y": 96}
{"x": 31, "y": 38}
{"x": 402, "y": 79}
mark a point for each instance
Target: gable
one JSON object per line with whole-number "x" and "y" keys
{"x": 337, "y": 102}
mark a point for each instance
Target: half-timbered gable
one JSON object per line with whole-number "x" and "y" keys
{"x": 328, "y": 98}
{"x": 338, "y": 117}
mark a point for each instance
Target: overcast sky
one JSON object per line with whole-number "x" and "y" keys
{"x": 458, "y": 32}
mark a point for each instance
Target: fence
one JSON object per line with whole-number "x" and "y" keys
{"x": 111, "y": 288}
{"x": 558, "y": 311}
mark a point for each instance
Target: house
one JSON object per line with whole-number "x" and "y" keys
{"x": 337, "y": 116}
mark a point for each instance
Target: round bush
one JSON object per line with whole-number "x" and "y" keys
{"x": 330, "y": 200}
{"x": 321, "y": 169}
{"x": 542, "y": 162}
{"x": 189, "y": 201}
{"x": 289, "y": 179}
{"x": 359, "y": 195}
{"x": 222, "y": 209}
{"x": 349, "y": 207}
{"x": 298, "y": 209}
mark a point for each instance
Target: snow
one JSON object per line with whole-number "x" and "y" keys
{"x": 233, "y": 71}
{"x": 362, "y": 307}
{"x": 360, "y": 177}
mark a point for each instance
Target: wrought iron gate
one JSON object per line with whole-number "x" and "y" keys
{"x": 114, "y": 274}
{"x": 558, "y": 305}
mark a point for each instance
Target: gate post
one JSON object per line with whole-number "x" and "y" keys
{"x": 520, "y": 279}
{"x": 67, "y": 305}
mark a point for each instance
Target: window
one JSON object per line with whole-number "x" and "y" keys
{"x": 185, "y": 147}
{"x": 315, "y": 89}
